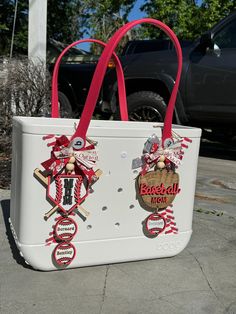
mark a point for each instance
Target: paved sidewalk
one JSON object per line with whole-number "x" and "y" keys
{"x": 201, "y": 279}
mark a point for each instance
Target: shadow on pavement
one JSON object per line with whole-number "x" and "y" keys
{"x": 15, "y": 252}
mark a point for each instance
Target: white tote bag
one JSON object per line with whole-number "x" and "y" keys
{"x": 96, "y": 192}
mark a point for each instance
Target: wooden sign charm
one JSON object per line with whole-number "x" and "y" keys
{"x": 67, "y": 178}
{"x": 158, "y": 188}
{"x": 67, "y": 191}
{"x": 158, "y": 183}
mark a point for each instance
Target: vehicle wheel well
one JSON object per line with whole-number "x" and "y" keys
{"x": 65, "y": 89}
{"x": 152, "y": 85}
{"x": 65, "y": 107}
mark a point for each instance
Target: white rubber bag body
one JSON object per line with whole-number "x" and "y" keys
{"x": 113, "y": 232}
{"x": 114, "y": 225}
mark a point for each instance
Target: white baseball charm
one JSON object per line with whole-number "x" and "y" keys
{"x": 155, "y": 224}
{"x": 78, "y": 143}
{"x": 65, "y": 229}
{"x": 64, "y": 253}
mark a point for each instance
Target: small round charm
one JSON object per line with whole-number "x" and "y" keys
{"x": 162, "y": 158}
{"x": 71, "y": 160}
{"x": 160, "y": 165}
{"x": 78, "y": 143}
{"x": 64, "y": 253}
{"x": 65, "y": 229}
{"x": 70, "y": 167}
{"x": 167, "y": 142}
{"x": 155, "y": 224}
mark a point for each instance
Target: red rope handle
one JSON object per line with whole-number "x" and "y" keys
{"x": 120, "y": 79}
{"x": 101, "y": 70}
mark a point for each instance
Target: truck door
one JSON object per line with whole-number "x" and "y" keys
{"x": 211, "y": 83}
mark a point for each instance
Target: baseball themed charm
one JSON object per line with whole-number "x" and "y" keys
{"x": 155, "y": 224}
{"x": 68, "y": 178}
{"x": 67, "y": 191}
{"x": 157, "y": 184}
{"x": 158, "y": 188}
{"x": 65, "y": 229}
{"x": 64, "y": 253}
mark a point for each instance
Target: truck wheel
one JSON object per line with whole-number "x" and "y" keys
{"x": 65, "y": 108}
{"x": 146, "y": 106}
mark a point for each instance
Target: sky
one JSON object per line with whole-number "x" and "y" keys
{"x": 136, "y": 13}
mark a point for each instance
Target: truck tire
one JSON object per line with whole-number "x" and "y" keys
{"x": 146, "y": 106}
{"x": 65, "y": 108}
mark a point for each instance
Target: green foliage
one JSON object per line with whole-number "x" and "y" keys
{"x": 7, "y": 9}
{"x": 63, "y": 23}
{"x": 105, "y": 17}
{"x": 68, "y": 20}
{"x": 187, "y": 18}
{"x": 214, "y": 10}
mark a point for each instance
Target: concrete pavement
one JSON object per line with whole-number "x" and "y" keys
{"x": 201, "y": 279}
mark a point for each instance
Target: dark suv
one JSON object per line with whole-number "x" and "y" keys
{"x": 207, "y": 93}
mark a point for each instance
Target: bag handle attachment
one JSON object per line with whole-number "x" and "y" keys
{"x": 120, "y": 79}
{"x": 101, "y": 70}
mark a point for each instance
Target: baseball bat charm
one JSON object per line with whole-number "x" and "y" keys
{"x": 40, "y": 176}
{"x": 83, "y": 211}
{"x": 50, "y": 212}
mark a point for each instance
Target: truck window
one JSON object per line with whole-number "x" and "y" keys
{"x": 149, "y": 46}
{"x": 226, "y": 38}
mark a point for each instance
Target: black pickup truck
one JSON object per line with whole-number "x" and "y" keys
{"x": 75, "y": 77}
{"x": 207, "y": 93}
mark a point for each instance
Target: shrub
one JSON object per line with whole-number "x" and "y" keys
{"x": 24, "y": 91}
